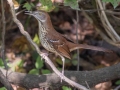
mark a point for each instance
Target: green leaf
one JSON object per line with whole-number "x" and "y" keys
{"x": 28, "y": 6}
{"x": 32, "y": 4}
{"x": 66, "y": 88}
{"x": 34, "y": 71}
{"x": 3, "y": 88}
{"x": 113, "y": 2}
{"x": 36, "y": 39}
{"x": 46, "y": 2}
{"x": 39, "y": 63}
{"x": 45, "y": 71}
{"x": 117, "y": 82}
{"x": 35, "y": 55}
{"x": 72, "y": 3}
{"x": 18, "y": 63}
{"x": 47, "y": 5}
{"x": 74, "y": 62}
{"x": 59, "y": 61}
{"x": 1, "y": 62}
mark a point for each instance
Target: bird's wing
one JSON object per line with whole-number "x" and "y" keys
{"x": 59, "y": 45}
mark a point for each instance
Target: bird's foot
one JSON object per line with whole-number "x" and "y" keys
{"x": 43, "y": 55}
{"x": 62, "y": 77}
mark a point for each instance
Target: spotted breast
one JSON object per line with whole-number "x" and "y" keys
{"x": 44, "y": 39}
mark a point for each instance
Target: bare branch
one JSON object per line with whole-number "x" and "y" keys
{"x": 108, "y": 27}
{"x": 77, "y": 26}
{"x": 3, "y": 36}
{"x": 91, "y": 77}
{"x": 3, "y": 79}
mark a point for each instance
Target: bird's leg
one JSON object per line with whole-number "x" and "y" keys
{"x": 63, "y": 60}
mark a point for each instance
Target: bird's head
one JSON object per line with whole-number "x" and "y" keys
{"x": 39, "y": 15}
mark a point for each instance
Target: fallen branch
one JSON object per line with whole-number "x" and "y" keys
{"x": 91, "y": 77}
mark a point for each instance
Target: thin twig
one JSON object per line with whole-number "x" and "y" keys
{"x": 3, "y": 36}
{"x": 111, "y": 29}
{"x": 100, "y": 32}
{"x": 117, "y": 88}
{"x": 3, "y": 79}
{"x": 113, "y": 11}
{"x": 104, "y": 23}
{"x": 20, "y": 12}
{"x": 78, "y": 52}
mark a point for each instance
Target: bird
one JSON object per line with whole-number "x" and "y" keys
{"x": 54, "y": 41}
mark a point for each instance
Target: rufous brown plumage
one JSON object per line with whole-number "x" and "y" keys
{"x": 55, "y": 42}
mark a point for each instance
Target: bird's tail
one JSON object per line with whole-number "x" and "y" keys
{"x": 73, "y": 46}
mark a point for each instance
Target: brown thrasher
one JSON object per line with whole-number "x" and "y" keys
{"x": 55, "y": 42}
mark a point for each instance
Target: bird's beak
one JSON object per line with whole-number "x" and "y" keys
{"x": 29, "y": 12}
{"x": 32, "y": 14}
